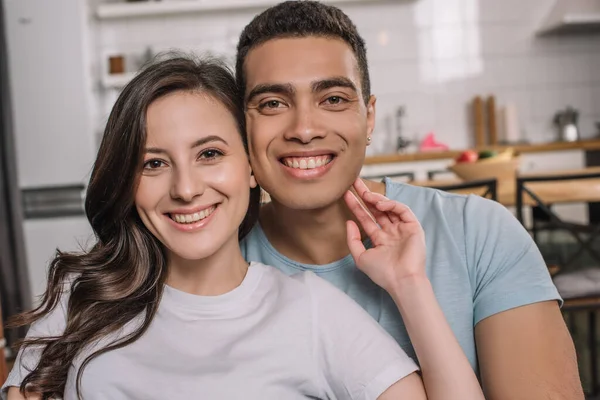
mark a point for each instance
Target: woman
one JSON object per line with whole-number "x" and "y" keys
{"x": 165, "y": 306}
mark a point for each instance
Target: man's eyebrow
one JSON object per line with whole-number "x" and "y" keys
{"x": 275, "y": 88}
{"x": 199, "y": 142}
{"x": 338, "y": 81}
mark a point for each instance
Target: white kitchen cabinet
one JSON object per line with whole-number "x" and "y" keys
{"x": 50, "y": 91}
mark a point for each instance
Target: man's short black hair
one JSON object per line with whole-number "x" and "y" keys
{"x": 292, "y": 19}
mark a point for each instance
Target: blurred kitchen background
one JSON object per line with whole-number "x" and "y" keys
{"x": 450, "y": 75}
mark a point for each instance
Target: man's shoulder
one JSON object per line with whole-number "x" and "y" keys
{"x": 427, "y": 201}
{"x": 429, "y": 205}
{"x": 457, "y": 219}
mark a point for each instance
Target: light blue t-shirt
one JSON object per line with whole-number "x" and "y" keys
{"x": 480, "y": 261}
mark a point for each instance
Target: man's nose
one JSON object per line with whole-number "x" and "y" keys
{"x": 306, "y": 125}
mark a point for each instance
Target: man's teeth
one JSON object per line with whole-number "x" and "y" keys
{"x": 195, "y": 217}
{"x": 307, "y": 162}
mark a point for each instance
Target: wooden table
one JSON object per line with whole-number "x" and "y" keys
{"x": 569, "y": 191}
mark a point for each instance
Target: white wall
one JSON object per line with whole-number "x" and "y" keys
{"x": 432, "y": 56}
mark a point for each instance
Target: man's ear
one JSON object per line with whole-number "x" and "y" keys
{"x": 371, "y": 115}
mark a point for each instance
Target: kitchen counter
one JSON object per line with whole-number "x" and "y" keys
{"x": 585, "y": 145}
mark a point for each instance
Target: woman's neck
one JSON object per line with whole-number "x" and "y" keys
{"x": 212, "y": 276}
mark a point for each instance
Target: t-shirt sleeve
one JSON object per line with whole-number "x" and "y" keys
{"x": 506, "y": 265}
{"x": 52, "y": 324}
{"x": 357, "y": 358}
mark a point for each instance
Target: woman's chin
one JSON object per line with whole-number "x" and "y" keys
{"x": 192, "y": 254}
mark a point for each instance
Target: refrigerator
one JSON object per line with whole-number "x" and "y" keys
{"x": 51, "y": 95}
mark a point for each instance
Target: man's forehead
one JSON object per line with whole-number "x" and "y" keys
{"x": 300, "y": 62}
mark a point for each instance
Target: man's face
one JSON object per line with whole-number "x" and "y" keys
{"x": 306, "y": 119}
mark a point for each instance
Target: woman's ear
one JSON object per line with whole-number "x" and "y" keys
{"x": 253, "y": 183}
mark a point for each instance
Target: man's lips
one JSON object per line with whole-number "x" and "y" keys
{"x": 307, "y": 162}
{"x": 308, "y": 168}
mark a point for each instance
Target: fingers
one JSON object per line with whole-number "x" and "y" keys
{"x": 365, "y": 219}
{"x": 355, "y": 245}
{"x": 360, "y": 187}
{"x": 385, "y": 210}
{"x": 401, "y": 211}
{"x": 370, "y": 198}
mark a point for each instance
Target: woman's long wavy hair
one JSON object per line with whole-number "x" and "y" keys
{"x": 122, "y": 276}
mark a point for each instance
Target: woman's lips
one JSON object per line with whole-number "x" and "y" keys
{"x": 195, "y": 225}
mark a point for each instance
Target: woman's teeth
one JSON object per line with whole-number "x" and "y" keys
{"x": 190, "y": 218}
{"x": 307, "y": 162}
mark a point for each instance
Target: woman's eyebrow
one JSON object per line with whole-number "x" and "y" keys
{"x": 199, "y": 142}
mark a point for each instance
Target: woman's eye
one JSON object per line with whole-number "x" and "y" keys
{"x": 153, "y": 164}
{"x": 210, "y": 154}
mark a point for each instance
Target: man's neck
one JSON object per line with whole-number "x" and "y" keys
{"x": 310, "y": 236}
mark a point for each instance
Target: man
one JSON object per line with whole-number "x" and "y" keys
{"x": 310, "y": 115}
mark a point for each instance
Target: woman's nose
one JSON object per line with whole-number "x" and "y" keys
{"x": 186, "y": 185}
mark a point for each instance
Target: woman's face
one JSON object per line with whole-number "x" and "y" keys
{"x": 195, "y": 184}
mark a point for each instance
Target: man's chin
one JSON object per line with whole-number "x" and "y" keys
{"x": 308, "y": 200}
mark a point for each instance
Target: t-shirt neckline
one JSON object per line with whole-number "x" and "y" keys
{"x": 172, "y": 296}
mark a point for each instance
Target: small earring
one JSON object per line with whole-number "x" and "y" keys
{"x": 368, "y": 140}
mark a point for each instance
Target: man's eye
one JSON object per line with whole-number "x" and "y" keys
{"x": 271, "y": 104}
{"x": 153, "y": 164}
{"x": 333, "y": 100}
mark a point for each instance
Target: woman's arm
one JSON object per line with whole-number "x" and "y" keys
{"x": 410, "y": 387}
{"x": 446, "y": 371}
{"x": 396, "y": 262}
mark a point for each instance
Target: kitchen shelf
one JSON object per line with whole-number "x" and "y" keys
{"x": 157, "y": 8}
{"x": 519, "y": 148}
{"x": 573, "y": 23}
{"x": 117, "y": 81}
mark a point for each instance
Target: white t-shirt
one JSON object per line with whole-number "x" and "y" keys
{"x": 273, "y": 337}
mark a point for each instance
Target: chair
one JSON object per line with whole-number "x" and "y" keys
{"x": 487, "y": 188}
{"x": 410, "y": 176}
{"x": 431, "y": 174}
{"x": 579, "y": 287}
{"x": 526, "y": 192}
